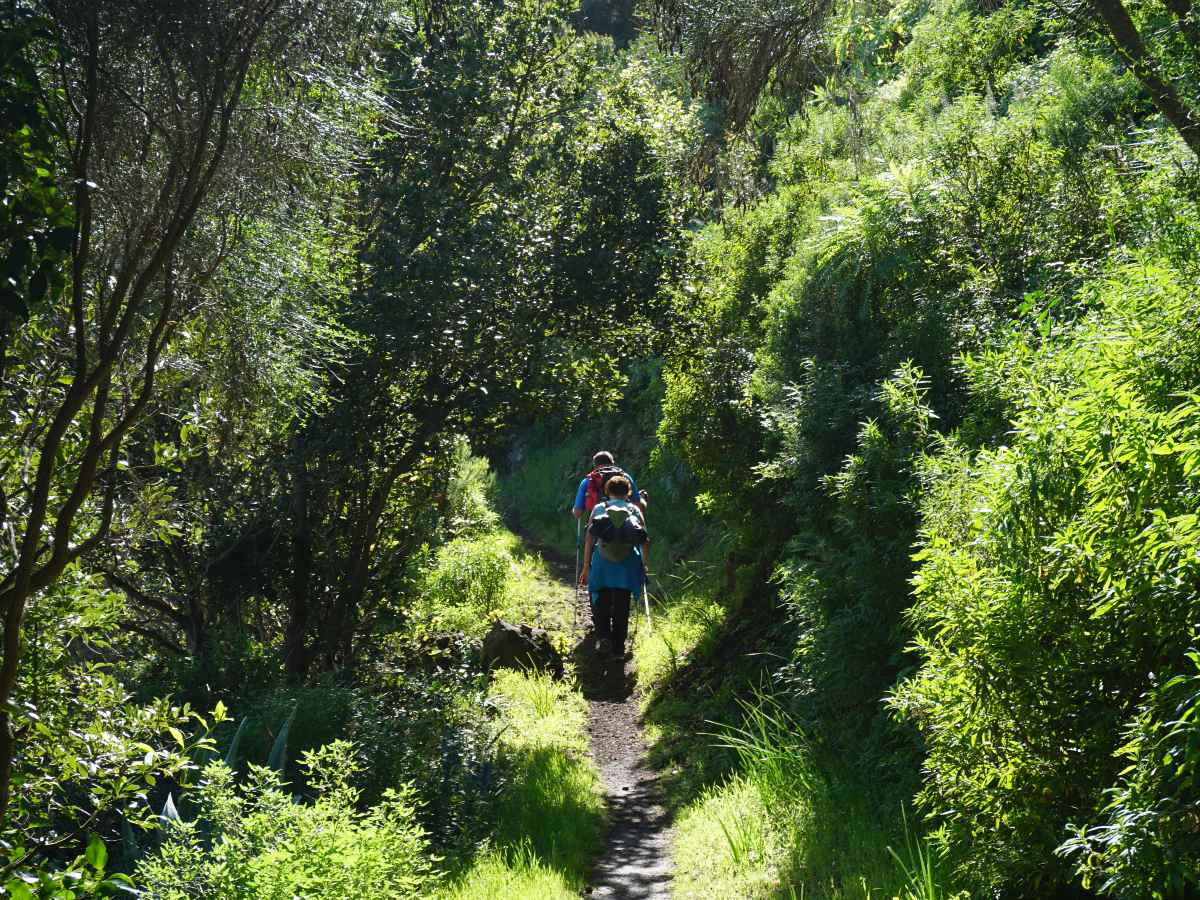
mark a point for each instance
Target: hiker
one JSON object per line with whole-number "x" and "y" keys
{"x": 614, "y": 564}
{"x": 591, "y": 488}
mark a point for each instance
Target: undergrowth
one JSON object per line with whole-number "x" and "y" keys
{"x": 546, "y": 826}
{"x": 762, "y": 810}
{"x": 475, "y": 579}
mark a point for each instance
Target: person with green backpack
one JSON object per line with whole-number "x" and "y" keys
{"x": 614, "y": 564}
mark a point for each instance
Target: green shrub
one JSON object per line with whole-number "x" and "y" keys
{"x": 317, "y": 714}
{"x": 1148, "y": 845}
{"x": 955, "y": 49}
{"x": 1057, "y": 576}
{"x": 255, "y": 842}
{"x": 88, "y": 756}
{"x": 469, "y": 493}
{"x": 469, "y": 580}
{"x": 421, "y": 728}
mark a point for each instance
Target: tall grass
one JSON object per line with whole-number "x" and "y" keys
{"x": 514, "y": 873}
{"x": 763, "y": 811}
{"x": 772, "y": 752}
{"x": 726, "y": 845}
{"x": 546, "y": 826}
{"x": 683, "y": 617}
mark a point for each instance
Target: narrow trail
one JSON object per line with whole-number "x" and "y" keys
{"x": 635, "y": 863}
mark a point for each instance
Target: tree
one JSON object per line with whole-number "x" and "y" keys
{"x": 515, "y": 220}
{"x": 147, "y": 100}
{"x": 735, "y": 51}
{"x": 1141, "y": 46}
{"x": 35, "y": 214}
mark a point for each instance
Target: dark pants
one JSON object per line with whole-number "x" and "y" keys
{"x": 611, "y": 616}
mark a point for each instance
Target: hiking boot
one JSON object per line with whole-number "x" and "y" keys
{"x": 604, "y": 647}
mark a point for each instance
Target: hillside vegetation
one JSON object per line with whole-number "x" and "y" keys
{"x": 891, "y": 307}
{"x": 933, "y": 380}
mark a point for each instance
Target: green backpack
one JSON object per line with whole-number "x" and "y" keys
{"x": 618, "y": 529}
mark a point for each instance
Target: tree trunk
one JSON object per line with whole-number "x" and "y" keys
{"x": 1124, "y": 33}
{"x": 295, "y": 645}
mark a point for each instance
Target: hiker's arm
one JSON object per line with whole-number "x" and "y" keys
{"x": 577, "y": 508}
{"x": 587, "y": 558}
{"x": 643, "y": 500}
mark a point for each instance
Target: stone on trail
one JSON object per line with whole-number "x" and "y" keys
{"x": 520, "y": 647}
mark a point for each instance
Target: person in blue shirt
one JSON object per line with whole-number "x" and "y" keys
{"x": 601, "y": 460}
{"x": 613, "y": 582}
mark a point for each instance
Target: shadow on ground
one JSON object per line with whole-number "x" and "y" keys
{"x": 636, "y": 861}
{"x": 604, "y": 679}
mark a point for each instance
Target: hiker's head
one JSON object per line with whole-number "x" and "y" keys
{"x": 617, "y": 487}
{"x": 602, "y": 458}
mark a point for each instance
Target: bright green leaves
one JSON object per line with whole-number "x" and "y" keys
{"x": 260, "y": 843}
{"x": 1057, "y": 587}
{"x": 97, "y": 853}
{"x": 1146, "y": 844}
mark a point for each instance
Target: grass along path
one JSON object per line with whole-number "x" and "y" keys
{"x": 576, "y": 760}
{"x": 547, "y": 824}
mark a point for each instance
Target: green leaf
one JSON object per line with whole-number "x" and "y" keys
{"x": 278, "y": 758}
{"x": 231, "y": 754}
{"x": 97, "y": 853}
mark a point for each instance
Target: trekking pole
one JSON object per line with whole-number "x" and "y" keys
{"x": 578, "y": 554}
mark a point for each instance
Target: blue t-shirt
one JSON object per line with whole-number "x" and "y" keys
{"x": 581, "y": 492}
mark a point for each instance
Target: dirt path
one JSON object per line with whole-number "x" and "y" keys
{"x": 635, "y": 862}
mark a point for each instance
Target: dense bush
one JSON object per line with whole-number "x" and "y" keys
{"x": 468, "y": 581}
{"x": 1057, "y": 591}
{"x": 965, "y": 171}
{"x": 81, "y": 721}
{"x": 418, "y": 721}
{"x": 1148, "y": 844}
{"x": 255, "y": 841}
